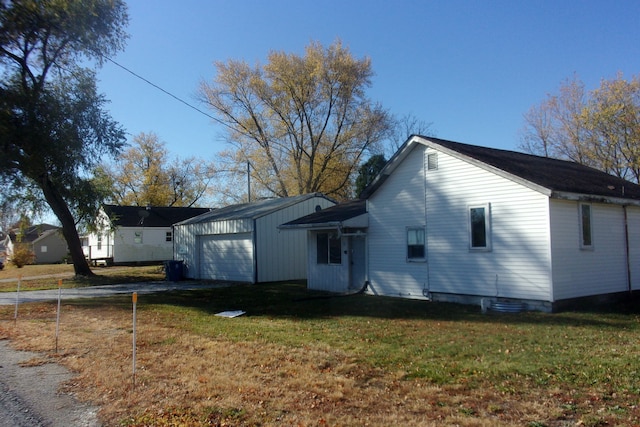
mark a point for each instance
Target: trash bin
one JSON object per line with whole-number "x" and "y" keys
{"x": 173, "y": 270}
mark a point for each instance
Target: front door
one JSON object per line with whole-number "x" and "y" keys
{"x": 358, "y": 262}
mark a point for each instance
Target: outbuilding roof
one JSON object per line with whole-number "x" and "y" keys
{"x": 334, "y": 215}
{"x": 150, "y": 216}
{"x": 252, "y": 210}
{"x": 556, "y": 176}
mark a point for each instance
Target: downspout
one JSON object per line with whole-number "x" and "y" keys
{"x": 255, "y": 252}
{"x": 626, "y": 243}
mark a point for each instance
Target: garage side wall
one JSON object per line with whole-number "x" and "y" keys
{"x": 187, "y": 245}
{"x": 282, "y": 254}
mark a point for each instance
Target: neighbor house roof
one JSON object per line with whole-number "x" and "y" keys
{"x": 252, "y": 210}
{"x": 338, "y": 215}
{"x": 558, "y": 177}
{"x": 152, "y": 216}
{"x": 32, "y": 233}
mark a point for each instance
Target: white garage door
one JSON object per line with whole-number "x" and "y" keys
{"x": 227, "y": 257}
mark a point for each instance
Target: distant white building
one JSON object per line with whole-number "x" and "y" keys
{"x": 135, "y": 234}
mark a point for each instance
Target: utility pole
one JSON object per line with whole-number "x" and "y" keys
{"x": 248, "y": 181}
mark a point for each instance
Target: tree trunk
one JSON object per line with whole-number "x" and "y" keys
{"x": 69, "y": 231}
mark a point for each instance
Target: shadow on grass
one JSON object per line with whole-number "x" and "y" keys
{"x": 294, "y": 301}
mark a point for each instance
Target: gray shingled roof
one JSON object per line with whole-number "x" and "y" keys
{"x": 251, "y": 210}
{"x": 333, "y": 214}
{"x": 153, "y": 216}
{"x": 558, "y": 176}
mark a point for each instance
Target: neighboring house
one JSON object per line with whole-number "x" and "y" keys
{"x": 44, "y": 240}
{"x": 135, "y": 234}
{"x": 462, "y": 223}
{"x": 243, "y": 243}
{"x": 336, "y": 246}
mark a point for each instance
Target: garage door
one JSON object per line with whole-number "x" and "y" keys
{"x": 227, "y": 257}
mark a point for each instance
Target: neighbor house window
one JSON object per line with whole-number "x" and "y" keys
{"x": 168, "y": 237}
{"x": 43, "y": 249}
{"x": 479, "y": 227}
{"x": 586, "y": 230}
{"x": 415, "y": 244}
{"x": 99, "y": 241}
{"x": 137, "y": 238}
{"x": 328, "y": 249}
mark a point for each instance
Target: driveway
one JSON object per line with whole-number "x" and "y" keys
{"x": 9, "y": 298}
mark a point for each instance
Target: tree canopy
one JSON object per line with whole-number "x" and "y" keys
{"x": 598, "y": 128}
{"x": 303, "y": 122}
{"x": 53, "y": 127}
{"x": 144, "y": 175}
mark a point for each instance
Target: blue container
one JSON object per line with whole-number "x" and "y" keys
{"x": 173, "y": 270}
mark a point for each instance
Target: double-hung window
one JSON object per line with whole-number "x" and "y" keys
{"x": 480, "y": 227}
{"x": 328, "y": 249}
{"x": 415, "y": 244}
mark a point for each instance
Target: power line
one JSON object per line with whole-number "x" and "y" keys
{"x": 166, "y": 92}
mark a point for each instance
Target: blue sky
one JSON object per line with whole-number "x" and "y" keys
{"x": 472, "y": 68}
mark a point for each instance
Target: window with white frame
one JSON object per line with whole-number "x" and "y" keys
{"x": 328, "y": 249}
{"x": 99, "y": 241}
{"x": 415, "y": 244}
{"x": 137, "y": 238}
{"x": 586, "y": 229}
{"x": 480, "y": 227}
{"x": 168, "y": 236}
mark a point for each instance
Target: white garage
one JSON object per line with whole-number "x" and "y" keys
{"x": 242, "y": 243}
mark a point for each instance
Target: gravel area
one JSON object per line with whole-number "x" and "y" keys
{"x": 30, "y": 395}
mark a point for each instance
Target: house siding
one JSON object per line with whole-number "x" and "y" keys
{"x": 153, "y": 247}
{"x": 398, "y": 204}
{"x": 327, "y": 277}
{"x": 282, "y": 254}
{"x": 518, "y": 264}
{"x": 633, "y": 221}
{"x": 601, "y": 269}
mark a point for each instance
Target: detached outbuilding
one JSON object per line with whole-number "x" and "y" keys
{"x": 243, "y": 243}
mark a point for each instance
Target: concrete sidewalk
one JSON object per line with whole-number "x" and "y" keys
{"x": 9, "y": 298}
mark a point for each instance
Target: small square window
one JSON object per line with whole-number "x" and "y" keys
{"x": 168, "y": 236}
{"x": 137, "y": 238}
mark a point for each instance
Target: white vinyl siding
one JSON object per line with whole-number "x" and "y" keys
{"x": 518, "y": 265}
{"x": 399, "y": 203}
{"x": 633, "y": 221}
{"x": 603, "y": 269}
{"x": 326, "y": 277}
{"x": 139, "y": 244}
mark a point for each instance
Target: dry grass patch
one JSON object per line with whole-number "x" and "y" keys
{"x": 38, "y": 277}
{"x": 310, "y": 366}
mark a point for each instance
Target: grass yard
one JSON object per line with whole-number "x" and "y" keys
{"x": 46, "y": 276}
{"x": 298, "y": 358}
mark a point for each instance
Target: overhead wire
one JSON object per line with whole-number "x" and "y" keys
{"x": 166, "y": 92}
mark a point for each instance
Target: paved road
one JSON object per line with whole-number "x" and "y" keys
{"x": 9, "y": 298}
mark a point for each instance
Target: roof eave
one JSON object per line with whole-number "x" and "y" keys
{"x": 594, "y": 198}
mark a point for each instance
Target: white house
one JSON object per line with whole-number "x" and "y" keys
{"x": 462, "y": 223}
{"x": 243, "y": 243}
{"x": 135, "y": 234}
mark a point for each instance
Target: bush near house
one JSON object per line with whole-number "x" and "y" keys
{"x": 22, "y": 255}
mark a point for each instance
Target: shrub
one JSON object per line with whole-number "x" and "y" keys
{"x": 22, "y": 255}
